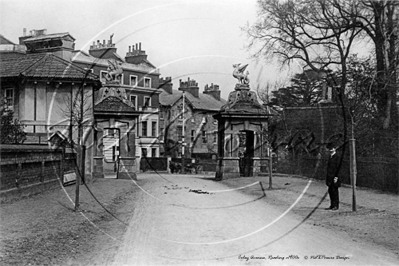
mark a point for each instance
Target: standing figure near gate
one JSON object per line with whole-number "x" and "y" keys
{"x": 332, "y": 180}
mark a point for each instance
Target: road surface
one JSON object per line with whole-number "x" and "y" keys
{"x": 193, "y": 220}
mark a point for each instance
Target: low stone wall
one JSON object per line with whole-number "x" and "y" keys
{"x": 30, "y": 169}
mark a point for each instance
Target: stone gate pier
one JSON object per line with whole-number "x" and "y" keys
{"x": 242, "y": 132}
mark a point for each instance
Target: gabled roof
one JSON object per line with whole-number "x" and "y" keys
{"x": 43, "y": 65}
{"x": 4, "y": 40}
{"x": 203, "y": 102}
{"x": 113, "y": 104}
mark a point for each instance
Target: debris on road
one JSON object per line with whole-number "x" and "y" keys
{"x": 198, "y": 191}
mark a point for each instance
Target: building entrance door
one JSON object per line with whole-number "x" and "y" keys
{"x": 247, "y": 153}
{"x": 111, "y": 141}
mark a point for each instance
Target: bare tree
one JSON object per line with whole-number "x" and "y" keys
{"x": 265, "y": 92}
{"x": 79, "y": 111}
{"x": 314, "y": 34}
{"x": 380, "y": 21}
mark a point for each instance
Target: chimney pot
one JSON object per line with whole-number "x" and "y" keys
{"x": 130, "y": 48}
{"x": 140, "y": 46}
{"x": 103, "y": 41}
{"x": 24, "y": 32}
{"x": 136, "y": 46}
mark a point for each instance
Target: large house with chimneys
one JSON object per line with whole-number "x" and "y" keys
{"x": 139, "y": 78}
{"x": 40, "y": 73}
{"x": 186, "y": 118}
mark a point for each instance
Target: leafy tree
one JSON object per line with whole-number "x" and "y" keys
{"x": 305, "y": 90}
{"x": 12, "y": 130}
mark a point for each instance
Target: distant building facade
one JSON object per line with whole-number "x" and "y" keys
{"x": 192, "y": 120}
{"x": 140, "y": 81}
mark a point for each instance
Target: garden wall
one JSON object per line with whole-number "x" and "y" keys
{"x": 30, "y": 169}
{"x": 375, "y": 173}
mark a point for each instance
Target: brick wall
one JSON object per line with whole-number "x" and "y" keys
{"x": 25, "y": 166}
{"x": 304, "y": 136}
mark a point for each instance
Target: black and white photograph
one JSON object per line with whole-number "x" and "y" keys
{"x": 199, "y": 132}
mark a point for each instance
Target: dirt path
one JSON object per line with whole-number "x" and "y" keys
{"x": 172, "y": 225}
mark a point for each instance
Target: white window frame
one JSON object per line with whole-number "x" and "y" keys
{"x": 204, "y": 136}
{"x": 122, "y": 78}
{"x": 135, "y": 101}
{"x": 102, "y": 79}
{"x": 152, "y": 152}
{"x": 130, "y": 80}
{"x": 146, "y": 131}
{"x": 145, "y": 79}
{"x": 149, "y": 102}
{"x": 161, "y": 134}
{"x": 179, "y": 136}
{"x": 193, "y": 135}
{"x": 10, "y": 106}
{"x": 146, "y": 152}
{"x": 156, "y": 128}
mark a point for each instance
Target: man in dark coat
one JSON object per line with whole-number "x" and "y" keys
{"x": 333, "y": 181}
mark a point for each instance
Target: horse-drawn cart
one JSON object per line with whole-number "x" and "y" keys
{"x": 193, "y": 168}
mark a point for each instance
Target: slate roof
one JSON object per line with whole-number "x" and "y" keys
{"x": 43, "y": 65}
{"x": 203, "y": 102}
{"x": 83, "y": 57}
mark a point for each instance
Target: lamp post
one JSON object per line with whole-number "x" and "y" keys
{"x": 182, "y": 138}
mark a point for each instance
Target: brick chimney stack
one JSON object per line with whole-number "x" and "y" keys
{"x": 212, "y": 90}
{"x": 105, "y": 50}
{"x": 135, "y": 54}
{"x": 190, "y": 86}
{"x": 166, "y": 84}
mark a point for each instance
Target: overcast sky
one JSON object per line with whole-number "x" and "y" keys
{"x": 196, "y": 39}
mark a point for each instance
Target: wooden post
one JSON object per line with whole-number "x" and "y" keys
{"x": 270, "y": 167}
{"x": 353, "y": 170}
{"x": 83, "y": 164}
{"x": 78, "y": 169}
